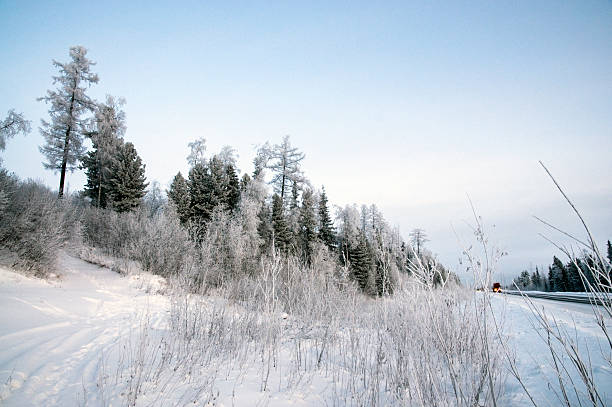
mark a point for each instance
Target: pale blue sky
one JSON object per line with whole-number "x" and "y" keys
{"x": 409, "y": 105}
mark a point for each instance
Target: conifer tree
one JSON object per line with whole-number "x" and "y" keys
{"x": 326, "y": 226}
{"x": 264, "y": 226}
{"x": 107, "y": 138}
{"x": 233, "y": 188}
{"x": 244, "y": 182}
{"x": 360, "y": 261}
{"x": 282, "y": 235}
{"x": 200, "y": 210}
{"x": 307, "y": 225}
{"x": 127, "y": 182}
{"x": 284, "y": 161}
{"x": 64, "y": 133}
{"x": 179, "y": 194}
{"x": 609, "y": 252}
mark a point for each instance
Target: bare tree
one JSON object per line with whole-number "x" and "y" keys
{"x": 64, "y": 133}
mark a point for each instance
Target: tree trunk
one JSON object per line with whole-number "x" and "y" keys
{"x": 60, "y": 194}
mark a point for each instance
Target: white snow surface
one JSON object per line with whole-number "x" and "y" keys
{"x": 533, "y": 356}
{"x": 54, "y": 334}
{"x": 62, "y": 342}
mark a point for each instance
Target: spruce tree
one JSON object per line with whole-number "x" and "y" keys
{"x": 361, "y": 262}
{"x": 282, "y": 235}
{"x": 307, "y": 226}
{"x": 179, "y": 194}
{"x": 264, "y": 226}
{"x": 233, "y": 188}
{"x": 609, "y": 252}
{"x": 127, "y": 183}
{"x": 63, "y": 135}
{"x": 106, "y": 138}
{"x": 326, "y": 226}
{"x": 244, "y": 182}
{"x": 200, "y": 210}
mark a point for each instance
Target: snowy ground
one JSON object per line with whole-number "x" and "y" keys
{"x": 54, "y": 334}
{"x": 533, "y": 356}
{"x": 76, "y": 340}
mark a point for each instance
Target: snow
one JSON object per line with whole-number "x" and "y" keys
{"x": 95, "y": 337}
{"x": 533, "y": 355}
{"x": 54, "y": 334}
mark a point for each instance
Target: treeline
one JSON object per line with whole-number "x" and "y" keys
{"x": 215, "y": 224}
{"x": 577, "y": 275}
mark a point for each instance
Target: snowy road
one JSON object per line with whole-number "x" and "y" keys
{"x": 533, "y": 355}
{"x": 54, "y": 335}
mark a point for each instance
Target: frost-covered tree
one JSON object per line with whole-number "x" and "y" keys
{"x": 418, "y": 239}
{"x": 284, "y": 161}
{"x": 282, "y": 235}
{"x": 179, "y": 195}
{"x": 361, "y": 261}
{"x": 107, "y": 138}
{"x": 127, "y": 183}
{"x": 197, "y": 153}
{"x": 11, "y": 126}
{"x": 64, "y": 132}
{"x": 200, "y": 210}
{"x": 232, "y": 198}
{"x": 307, "y": 225}
{"x": 326, "y": 226}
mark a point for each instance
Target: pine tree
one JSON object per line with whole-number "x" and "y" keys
{"x": 244, "y": 182}
{"x": 200, "y": 210}
{"x": 107, "y": 138}
{"x": 609, "y": 252}
{"x": 282, "y": 235}
{"x": 573, "y": 276}
{"x": 233, "y": 188}
{"x": 264, "y": 226}
{"x": 559, "y": 280}
{"x": 551, "y": 280}
{"x": 179, "y": 194}
{"x": 127, "y": 182}
{"x": 326, "y": 226}
{"x": 64, "y": 133}
{"x": 307, "y": 226}
{"x": 361, "y": 262}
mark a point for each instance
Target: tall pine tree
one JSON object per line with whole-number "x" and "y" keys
{"x": 282, "y": 235}
{"x": 326, "y": 226}
{"x": 361, "y": 261}
{"x": 307, "y": 226}
{"x": 179, "y": 195}
{"x": 127, "y": 182}
{"x": 107, "y": 138}
{"x": 63, "y": 135}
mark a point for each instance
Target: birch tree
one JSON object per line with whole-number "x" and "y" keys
{"x": 64, "y": 132}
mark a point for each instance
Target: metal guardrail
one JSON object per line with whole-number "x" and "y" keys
{"x": 603, "y": 299}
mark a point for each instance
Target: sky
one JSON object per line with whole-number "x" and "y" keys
{"x": 417, "y": 107}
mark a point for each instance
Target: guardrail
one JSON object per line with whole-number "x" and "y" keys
{"x": 597, "y": 299}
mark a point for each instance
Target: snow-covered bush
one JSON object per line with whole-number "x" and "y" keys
{"x": 34, "y": 225}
